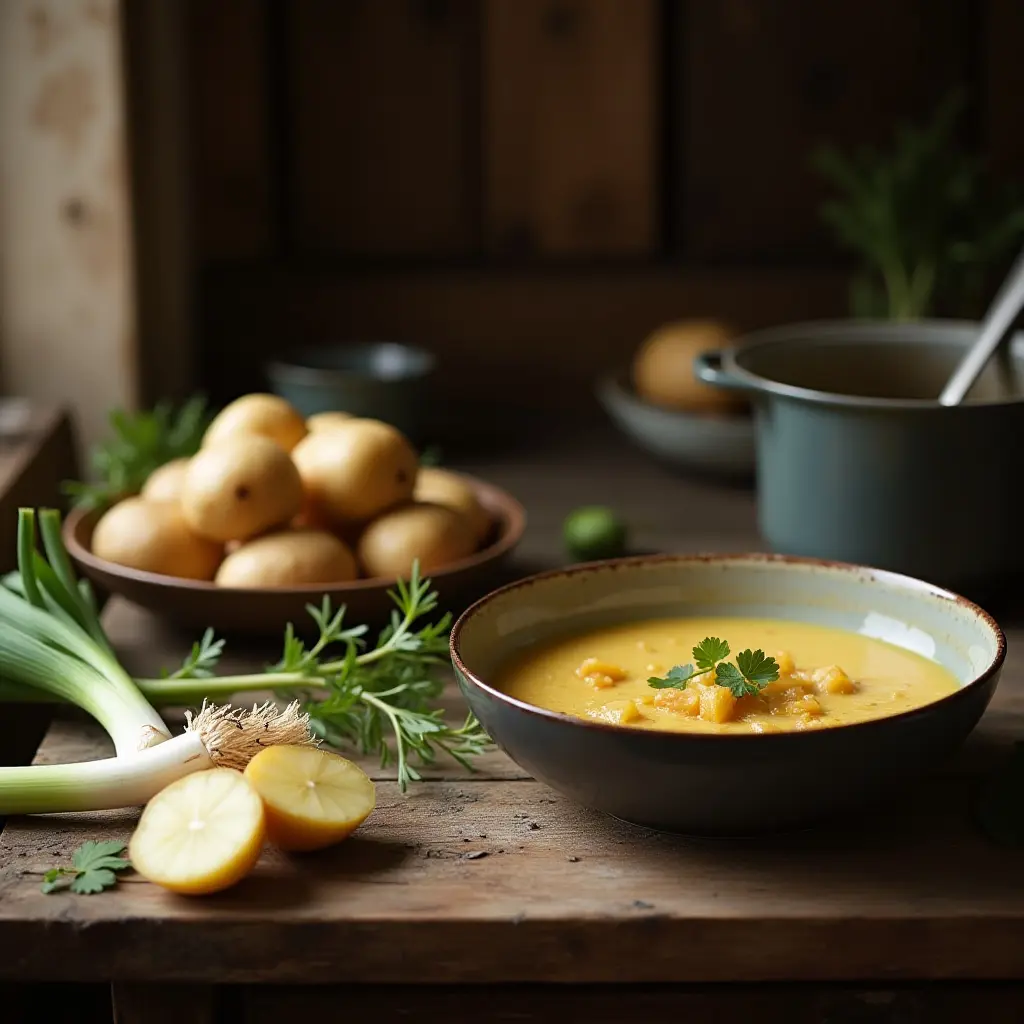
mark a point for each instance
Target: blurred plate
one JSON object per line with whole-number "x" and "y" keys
{"x": 196, "y": 604}
{"x": 714, "y": 444}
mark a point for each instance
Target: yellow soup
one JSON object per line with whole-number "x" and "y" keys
{"x": 826, "y": 677}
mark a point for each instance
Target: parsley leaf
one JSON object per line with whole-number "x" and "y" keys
{"x": 678, "y": 676}
{"x": 709, "y": 652}
{"x": 730, "y": 676}
{"x": 752, "y": 671}
{"x": 93, "y": 869}
{"x": 757, "y": 668}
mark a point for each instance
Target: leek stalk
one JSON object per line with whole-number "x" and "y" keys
{"x": 53, "y": 646}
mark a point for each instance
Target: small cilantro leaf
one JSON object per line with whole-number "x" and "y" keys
{"x": 709, "y": 652}
{"x": 86, "y": 856}
{"x": 729, "y": 675}
{"x": 677, "y": 676}
{"x": 757, "y": 668}
{"x": 86, "y": 883}
{"x": 94, "y": 866}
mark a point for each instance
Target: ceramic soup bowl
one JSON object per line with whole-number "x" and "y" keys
{"x": 857, "y": 461}
{"x": 738, "y": 783}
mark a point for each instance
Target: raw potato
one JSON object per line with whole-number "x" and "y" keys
{"x": 200, "y": 834}
{"x": 289, "y": 558}
{"x": 311, "y": 798}
{"x": 440, "y": 487}
{"x": 310, "y": 516}
{"x": 433, "y": 534}
{"x": 663, "y": 367}
{"x": 356, "y": 471}
{"x": 165, "y": 482}
{"x": 154, "y": 537}
{"x": 263, "y": 415}
{"x": 240, "y": 487}
{"x": 327, "y": 420}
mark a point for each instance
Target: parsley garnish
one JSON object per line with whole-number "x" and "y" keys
{"x": 678, "y": 676}
{"x": 753, "y": 669}
{"x": 93, "y": 869}
{"x": 709, "y": 652}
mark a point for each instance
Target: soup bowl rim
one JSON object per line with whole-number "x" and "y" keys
{"x": 909, "y": 584}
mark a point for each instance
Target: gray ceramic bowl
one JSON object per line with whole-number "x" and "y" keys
{"x": 736, "y": 784}
{"x": 718, "y": 445}
{"x": 378, "y": 380}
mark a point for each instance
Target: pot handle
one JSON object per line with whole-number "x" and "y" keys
{"x": 708, "y": 368}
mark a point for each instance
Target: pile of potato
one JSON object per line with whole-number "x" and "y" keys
{"x": 274, "y": 500}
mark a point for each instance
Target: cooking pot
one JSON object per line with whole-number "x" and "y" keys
{"x": 857, "y": 461}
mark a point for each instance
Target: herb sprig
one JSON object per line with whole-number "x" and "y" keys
{"x": 378, "y": 699}
{"x": 141, "y": 443}
{"x": 928, "y": 222}
{"x": 94, "y": 867}
{"x": 752, "y": 671}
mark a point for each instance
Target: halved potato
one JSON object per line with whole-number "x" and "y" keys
{"x": 312, "y": 798}
{"x": 200, "y": 834}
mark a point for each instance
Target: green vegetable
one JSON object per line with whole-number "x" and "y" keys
{"x": 593, "y": 533}
{"x": 351, "y": 694}
{"x": 93, "y": 870}
{"x": 142, "y": 442}
{"x": 53, "y": 644}
{"x": 999, "y": 808}
{"x": 751, "y": 673}
{"x": 926, "y": 220}
{"x": 355, "y": 696}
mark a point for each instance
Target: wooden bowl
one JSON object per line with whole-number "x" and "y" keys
{"x": 197, "y": 604}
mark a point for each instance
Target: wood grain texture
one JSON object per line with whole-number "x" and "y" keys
{"x": 503, "y": 339}
{"x": 163, "y": 1004}
{"x": 495, "y": 878}
{"x": 67, "y": 303}
{"x": 504, "y": 881}
{"x": 604, "y": 1004}
{"x": 228, "y": 97}
{"x": 1003, "y": 111}
{"x": 758, "y": 85}
{"x": 36, "y": 457}
{"x": 570, "y": 121}
{"x": 383, "y": 125}
{"x": 157, "y": 74}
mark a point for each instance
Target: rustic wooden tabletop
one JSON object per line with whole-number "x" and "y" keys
{"x": 492, "y": 877}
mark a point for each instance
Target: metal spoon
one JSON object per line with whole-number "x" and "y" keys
{"x": 994, "y": 329}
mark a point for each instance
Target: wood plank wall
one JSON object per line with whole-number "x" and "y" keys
{"x": 528, "y": 186}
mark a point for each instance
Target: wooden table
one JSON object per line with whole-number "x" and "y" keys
{"x": 493, "y": 878}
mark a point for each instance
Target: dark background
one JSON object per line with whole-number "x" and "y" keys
{"x": 528, "y": 187}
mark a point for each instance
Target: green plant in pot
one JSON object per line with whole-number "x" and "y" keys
{"x": 930, "y": 225}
